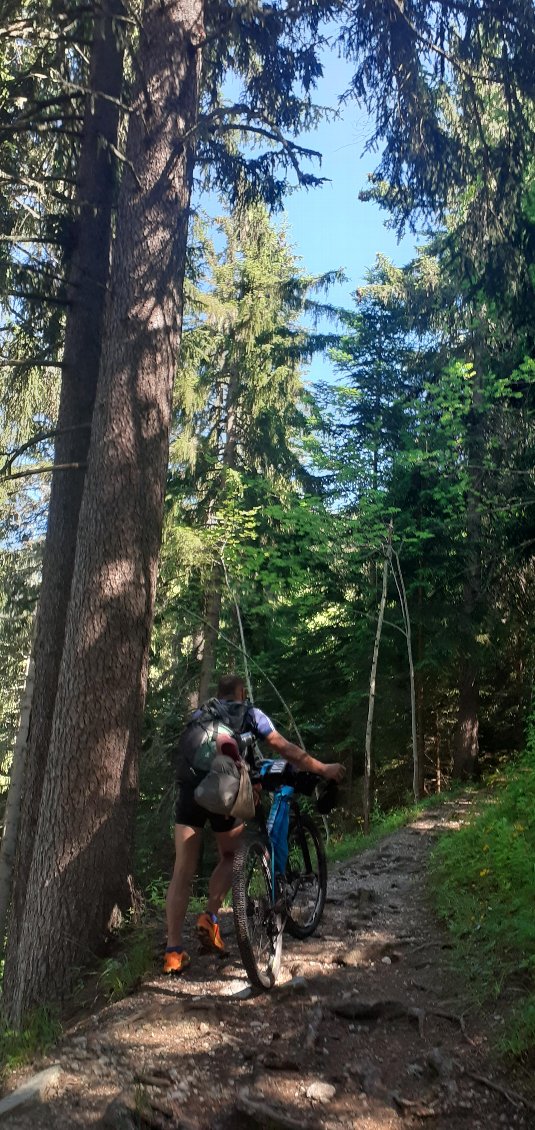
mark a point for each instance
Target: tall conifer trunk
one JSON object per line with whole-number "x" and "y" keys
{"x": 420, "y": 697}
{"x": 369, "y": 766}
{"x": 214, "y": 592}
{"x": 212, "y": 616}
{"x": 467, "y": 738}
{"x": 88, "y": 279}
{"x": 81, "y": 859}
{"x": 466, "y": 750}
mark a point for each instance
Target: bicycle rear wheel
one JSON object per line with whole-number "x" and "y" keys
{"x": 258, "y": 926}
{"x": 306, "y": 877}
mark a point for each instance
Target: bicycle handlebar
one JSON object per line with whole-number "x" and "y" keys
{"x": 283, "y": 773}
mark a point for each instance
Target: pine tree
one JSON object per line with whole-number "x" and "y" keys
{"x": 240, "y": 392}
{"x": 120, "y": 523}
{"x": 126, "y": 466}
{"x": 87, "y": 279}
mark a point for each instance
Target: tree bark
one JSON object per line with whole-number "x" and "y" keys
{"x": 438, "y": 763}
{"x": 197, "y": 649}
{"x": 420, "y": 697}
{"x": 88, "y": 279}
{"x": 466, "y": 749}
{"x": 239, "y": 621}
{"x": 212, "y": 616}
{"x": 214, "y": 592}
{"x": 81, "y": 859}
{"x": 467, "y": 738}
{"x": 367, "y": 794}
{"x": 417, "y": 771}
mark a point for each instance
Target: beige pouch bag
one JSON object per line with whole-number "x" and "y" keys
{"x": 244, "y": 806}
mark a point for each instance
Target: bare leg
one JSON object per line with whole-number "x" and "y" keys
{"x": 221, "y": 878}
{"x": 187, "y": 845}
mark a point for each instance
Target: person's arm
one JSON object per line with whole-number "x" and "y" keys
{"x": 301, "y": 759}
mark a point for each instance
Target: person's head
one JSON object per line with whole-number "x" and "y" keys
{"x": 232, "y": 688}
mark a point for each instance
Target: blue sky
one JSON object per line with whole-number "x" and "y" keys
{"x": 329, "y": 227}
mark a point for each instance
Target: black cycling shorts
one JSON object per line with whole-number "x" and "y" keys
{"x": 188, "y": 812}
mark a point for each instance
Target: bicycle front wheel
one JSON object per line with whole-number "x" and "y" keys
{"x": 306, "y": 877}
{"x": 258, "y": 926}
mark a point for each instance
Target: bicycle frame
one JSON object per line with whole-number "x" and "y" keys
{"x": 291, "y": 891}
{"x": 261, "y": 819}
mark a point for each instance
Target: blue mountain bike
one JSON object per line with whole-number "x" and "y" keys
{"x": 268, "y": 901}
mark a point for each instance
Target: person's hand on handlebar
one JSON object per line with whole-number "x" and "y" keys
{"x": 300, "y": 759}
{"x": 335, "y": 772}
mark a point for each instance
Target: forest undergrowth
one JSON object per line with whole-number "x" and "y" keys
{"x": 41, "y": 1032}
{"x": 482, "y": 877}
{"x": 483, "y": 882}
{"x": 131, "y": 949}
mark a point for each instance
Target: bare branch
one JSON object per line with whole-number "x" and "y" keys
{"x": 41, "y": 125}
{"x": 30, "y": 182}
{"x": 18, "y": 242}
{"x": 36, "y": 296}
{"x": 87, "y": 91}
{"x": 45, "y": 470}
{"x": 288, "y": 147}
{"x": 39, "y": 438}
{"x": 28, "y": 363}
{"x": 124, "y": 159}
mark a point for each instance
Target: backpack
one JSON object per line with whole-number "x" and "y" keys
{"x": 197, "y": 744}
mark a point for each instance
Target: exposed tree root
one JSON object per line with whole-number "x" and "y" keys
{"x": 512, "y": 1096}
{"x": 271, "y": 1117}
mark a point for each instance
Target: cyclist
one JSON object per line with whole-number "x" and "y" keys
{"x": 190, "y": 819}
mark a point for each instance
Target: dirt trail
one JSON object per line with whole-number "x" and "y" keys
{"x": 366, "y": 1029}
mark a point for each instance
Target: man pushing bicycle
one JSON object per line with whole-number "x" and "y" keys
{"x": 190, "y": 819}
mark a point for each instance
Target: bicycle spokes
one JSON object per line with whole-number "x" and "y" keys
{"x": 258, "y": 925}
{"x": 306, "y": 878}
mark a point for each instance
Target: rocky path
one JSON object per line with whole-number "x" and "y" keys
{"x": 367, "y": 1029}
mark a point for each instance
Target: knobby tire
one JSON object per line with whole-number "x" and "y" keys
{"x": 306, "y": 873}
{"x": 258, "y": 927}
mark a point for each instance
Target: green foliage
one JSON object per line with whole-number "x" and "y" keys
{"x": 453, "y": 102}
{"x": 483, "y": 882}
{"x": 395, "y": 441}
{"x": 122, "y": 974}
{"x": 23, "y": 404}
{"x": 239, "y": 488}
{"x": 239, "y": 397}
{"x": 41, "y": 1031}
{"x": 19, "y": 582}
{"x": 519, "y": 1039}
{"x": 370, "y": 416}
{"x": 431, "y": 424}
{"x": 246, "y": 148}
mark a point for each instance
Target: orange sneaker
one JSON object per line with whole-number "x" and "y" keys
{"x": 209, "y": 934}
{"x": 175, "y": 962}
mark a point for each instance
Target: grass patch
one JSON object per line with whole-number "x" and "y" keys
{"x": 41, "y": 1032}
{"x": 483, "y": 884}
{"x": 156, "y": 892}
{"x": 121, "y": 974}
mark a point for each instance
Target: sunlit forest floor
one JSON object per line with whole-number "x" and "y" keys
{"x": 371, "y": 1026}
